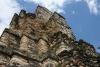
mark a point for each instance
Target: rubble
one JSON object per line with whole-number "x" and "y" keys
{"x": 43, "y": 39}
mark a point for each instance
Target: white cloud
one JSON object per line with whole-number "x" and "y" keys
{"x": 54, "y": 5}
{"x": 7, "y": 9}
{"x": 93, "y": 6}
{"x": 58, "y": 5}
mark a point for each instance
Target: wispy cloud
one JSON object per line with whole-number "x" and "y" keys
{"x": 58, "y": 5}
{"x": 53, "y": 5}
{"x": 93, "y": 6}
{"x": 7, "y": 9}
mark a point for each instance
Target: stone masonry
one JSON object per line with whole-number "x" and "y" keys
{"x": 43, "y": 39}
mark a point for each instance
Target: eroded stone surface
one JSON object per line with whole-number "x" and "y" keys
{"x": 43, "y": 39}
{"x": 50, "y": 63}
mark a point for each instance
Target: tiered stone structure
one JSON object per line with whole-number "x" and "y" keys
{"x": 43, "y": 39}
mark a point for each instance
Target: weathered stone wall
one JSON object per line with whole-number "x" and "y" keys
{"x": 43, "y": 39}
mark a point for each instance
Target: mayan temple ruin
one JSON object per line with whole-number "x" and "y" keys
{"x": 43, "y": 39}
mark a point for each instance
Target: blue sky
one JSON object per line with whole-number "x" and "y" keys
{"x": 82, "y": 15}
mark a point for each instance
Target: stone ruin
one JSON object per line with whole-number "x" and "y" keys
{"x": 43, "y": 39}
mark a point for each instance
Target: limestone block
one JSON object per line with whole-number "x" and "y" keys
{"x": 42, "y": 14}
{"x": 33, "y": 63}
{"x": 38, "y": 50}
{"x": 6, "y": 50}
{"x": 63, "y": 47}
{"x": 18, "y": 61}
{"x": 42, "y": 46}
{"x": 57, "y": 23}
{"x": 88, "y": 49}
{"x": 24, "y": 43}
{"x": 1, "y": 43}
{"x": 10, "y": 39}
{"x": 34, "y": 50}
{"x": 4, "y": 59}
{"x": 57, "y": 18}
{"x": 14, "y": 22}
{"x": 50, "y": 63}
{"x": 27, "y": 44}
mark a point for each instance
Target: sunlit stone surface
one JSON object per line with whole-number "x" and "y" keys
{"x": 43, "y": 39}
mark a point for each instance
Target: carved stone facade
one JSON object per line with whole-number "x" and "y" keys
{"x": 43, "y": 39}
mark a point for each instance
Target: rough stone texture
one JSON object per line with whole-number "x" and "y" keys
{"x": 43, "y": 39}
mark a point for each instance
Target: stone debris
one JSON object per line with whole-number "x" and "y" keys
{"x": 43, "y": 39}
